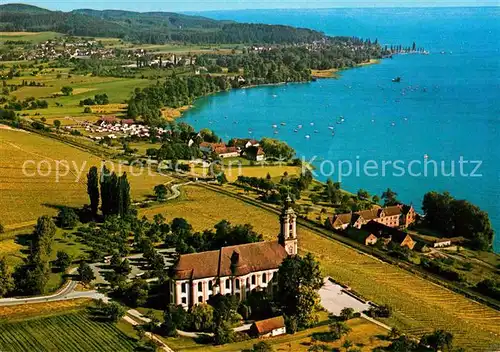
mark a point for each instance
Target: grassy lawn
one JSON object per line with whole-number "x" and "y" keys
{"x": 66, "y": 332}
{"x": 364, "y": 335}
{"x": 419, "y": 305}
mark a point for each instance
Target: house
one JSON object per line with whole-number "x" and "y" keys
{"x": 408, "y": 215}
{"x": 389, "y": 216}
{"x": 235, "y": 270}
{"x": 339, "y": 221}
{"x": 269, "y": 327}
{"x": 390, "y": 234}
{"x": 255, "y": 153}
{"x": 365, "y": 237}
{"x": 221, "y": 149}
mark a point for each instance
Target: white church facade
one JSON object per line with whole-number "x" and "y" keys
{"x": 235, "y": 270}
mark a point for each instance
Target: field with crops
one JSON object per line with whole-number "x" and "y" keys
{"x": 30, "y": 185}
{"x": 67, "y": 332}
{"x": 419, "y": 305}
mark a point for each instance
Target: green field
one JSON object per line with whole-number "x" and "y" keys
{"x": 67, "y": 332}
{"x": 32, "y": 37}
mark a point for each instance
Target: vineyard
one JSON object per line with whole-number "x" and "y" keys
{"x": 69, "y": 332}
{"x": 419, "y": 305}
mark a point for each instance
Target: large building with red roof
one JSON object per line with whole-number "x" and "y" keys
{"x": 234, "y": 270}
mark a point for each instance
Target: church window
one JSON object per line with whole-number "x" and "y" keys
{"x": 237, "y": 284}
{"x": 210, "y": 285}
{"x": 253, "y": 279}
{"x": 183, "y": 287}
{"x": 200, "y": 287}
{"x": 200, "y": 299}
{"x": 184, "y": 300}
{"x": 228, "y": 283}
{"x": 264, "y": 278}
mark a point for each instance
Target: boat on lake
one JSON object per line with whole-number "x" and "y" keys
{"x": 396, "y": 79}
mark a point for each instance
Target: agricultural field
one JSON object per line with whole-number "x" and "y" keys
{"x": 419, "y": 305}
{"x": 66, "y": 332}
{"x": 29, "y": 194}
{"x": 32, "y": 37}
{"x": 364, "y": 335}
{"x": 117, "y": 89}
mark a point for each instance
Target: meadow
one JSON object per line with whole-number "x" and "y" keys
{"x": 32, "y": 37}
{"x": 419, "y": 305}
{"x": 364, "y": 335}
{"x": 65, "y": 332}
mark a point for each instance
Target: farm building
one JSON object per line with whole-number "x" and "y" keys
{"x": 362, "y": 236}
{"x": 390, "y": 234}
{"x": 269, "y": 327}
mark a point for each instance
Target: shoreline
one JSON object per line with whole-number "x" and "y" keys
{"x": 333, "y": 72}
{"x": 172, "y": 114}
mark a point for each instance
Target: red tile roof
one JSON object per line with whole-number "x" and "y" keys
{"x": 268, "y": 325}
{"x": 252, "y": 257}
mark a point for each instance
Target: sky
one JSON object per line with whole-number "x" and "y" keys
{"x": 210, "y": 5}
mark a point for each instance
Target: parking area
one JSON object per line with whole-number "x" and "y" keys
{"x": 334, "y": 298}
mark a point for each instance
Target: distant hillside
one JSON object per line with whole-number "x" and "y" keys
{"x": 148, "y": 27}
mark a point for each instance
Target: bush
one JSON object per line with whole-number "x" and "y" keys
{"x": 67, "y": 218}
{"x": 2, "y": 229}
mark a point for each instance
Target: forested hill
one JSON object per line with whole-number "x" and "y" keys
{"x": 149, "y": 27}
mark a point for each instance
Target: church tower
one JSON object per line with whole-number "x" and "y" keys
{"x": 288, "y": 229}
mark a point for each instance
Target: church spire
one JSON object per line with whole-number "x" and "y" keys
{"x": 288, "y": 228}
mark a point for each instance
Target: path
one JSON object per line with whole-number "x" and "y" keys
{"x": 150, "y": 335}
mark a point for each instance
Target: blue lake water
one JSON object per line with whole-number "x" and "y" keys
{"x": 447, "y": 106}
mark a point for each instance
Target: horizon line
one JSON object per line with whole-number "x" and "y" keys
{"x": 271, "y": 8}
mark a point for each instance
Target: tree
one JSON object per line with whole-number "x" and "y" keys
{"x": 376, "y": 199}
{"x": 66, "y": 90}
{"x": 45, "y": 230}
{"x": 223, "y": 334}
{"x": 57, "y": 124}
{"x": 2, "y": 228}
{"x": 298, "y": 280}
{"x": 137, "y": 293}
{"x": 87, "y": 110}
{"x": 63, "y": 260}
{"x": 160, "y": 192}
{"x": 202, "y": 317}
{"x": 85, "y": 273}
{"x": 389, "y": 197}
{"x": 338, "y": 329}
{"x": 347, "y": 313}
{"x": 174, "y": 317}
{"x": 31, "y": 278}
{"x": 6, "y": 280}
{"x": 113, "y": 311}
{"x": 262, "y": 346}
{"x": 93, "y": 189}
{"x": 363, "y": 194}
{"x": 439, "y": 340}
{"x": 67, "y": 218}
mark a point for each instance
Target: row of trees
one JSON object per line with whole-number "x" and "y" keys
{"x": 99, "y": 99}
{"x": 114, "y": 192}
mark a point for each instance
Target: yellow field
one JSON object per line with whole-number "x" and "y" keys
{"x": 28, "y": 194}
{"x": 363, "y": 334}
{"x": 257, "y": 171}
{"x": 20, "y": 312}
{"x": 419, "y": 306}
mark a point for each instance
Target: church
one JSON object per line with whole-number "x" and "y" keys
{"x": 235, "y": 270}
